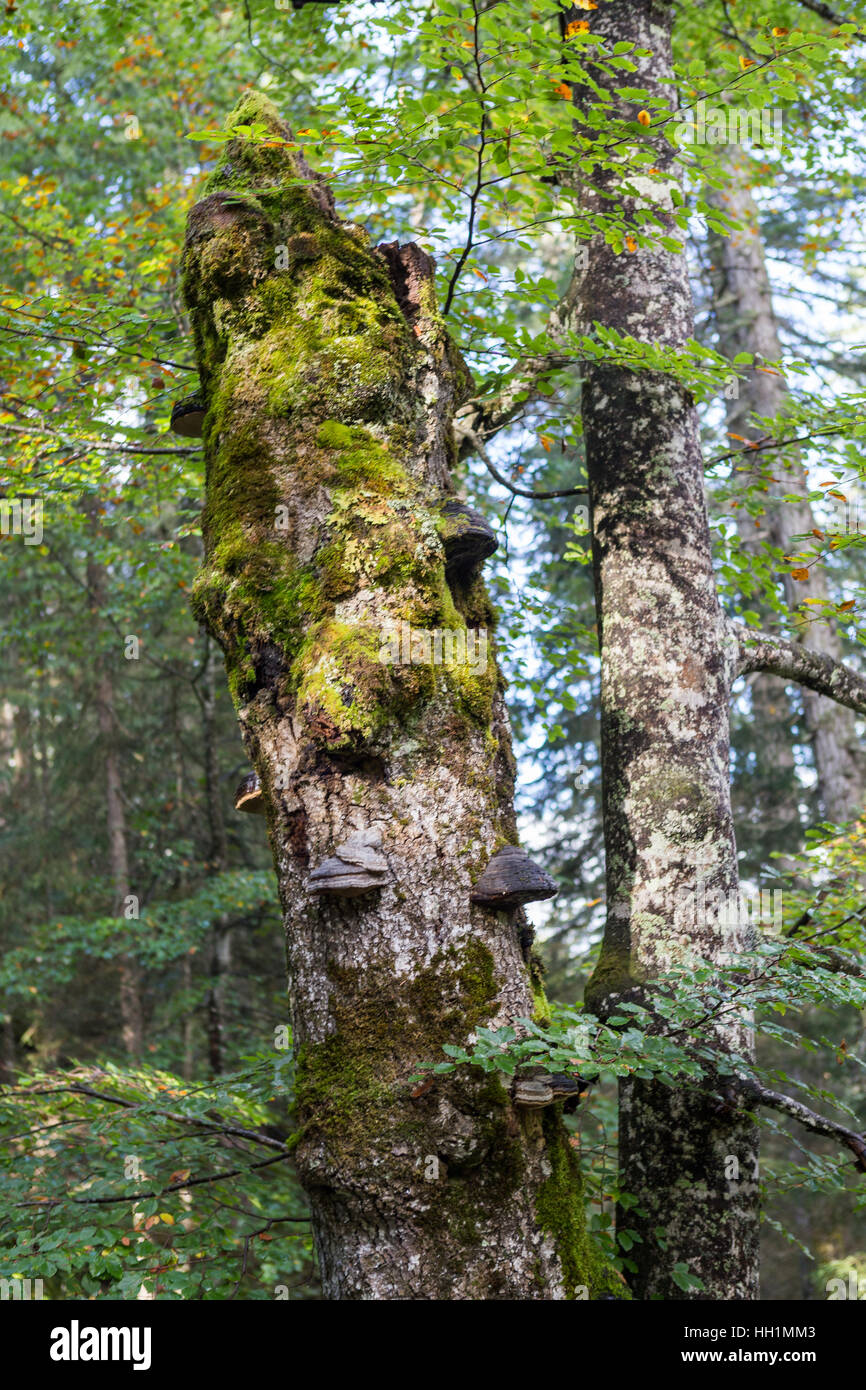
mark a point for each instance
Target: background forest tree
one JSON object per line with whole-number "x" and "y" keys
{"x": 154, "y": 1044}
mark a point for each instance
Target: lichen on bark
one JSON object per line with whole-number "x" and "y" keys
{"x": 330, "y": 385}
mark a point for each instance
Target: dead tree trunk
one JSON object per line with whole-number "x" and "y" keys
{"x": 330, "y": 386}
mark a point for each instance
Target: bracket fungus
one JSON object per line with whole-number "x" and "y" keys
{"x": 511, "y": 879}
{"x": 356, "y": 867}
{"x": 248, "y": 796}
{"x": 535, "y": 1089}
{"x": 187, "y": 416}
{"x": 467, "y": 540}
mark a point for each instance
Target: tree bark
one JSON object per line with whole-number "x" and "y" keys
{"x": 130, "y": 980}
{"x": 217, "y": 848}
{"x": 747, "y": 323}
{"x": 221, "y": 931}
{"x": 667, "y": 660}
{"x": 330, "y": 386}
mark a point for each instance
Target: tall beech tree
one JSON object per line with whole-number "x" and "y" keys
{"x": 330, "y": 387}
{"x": 669, "y": 660}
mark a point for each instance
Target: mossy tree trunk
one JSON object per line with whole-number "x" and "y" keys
{"x": 668, "y": 662}
{"x": 330, "y": 386}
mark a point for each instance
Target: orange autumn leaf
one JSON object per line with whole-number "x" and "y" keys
{"x": 585, "y": 5}
{"x": 631, "y": 243}
{"x": 779, "y": 32}
{"x": 644, "y": 117}
{"x": 846, "y": 607}
{"x": 816, "y": 532}
{"x": 746, "y": 62}
{"x": 545, "y": 441}
{"x": 562, "y": 89}
{"x": 802, "y": 574}
{"x": 577, "y": 26}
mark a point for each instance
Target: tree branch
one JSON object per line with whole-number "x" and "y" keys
{"x": 774, "y": 1100}
{"x": 487, "y": 415}
{"x": 159, "y": 1191}
{"x": 463, "y": 430}
{"x": 101, "y": 446}
{"x": 758, "y": 651}
{"x": 209, "y": 1126}
{"x": 824, "y": 12}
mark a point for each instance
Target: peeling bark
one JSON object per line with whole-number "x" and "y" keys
{"x": 330, "y": 386}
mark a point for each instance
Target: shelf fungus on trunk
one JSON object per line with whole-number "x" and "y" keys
{"x": 187, "y": 416}
{"x": 356, "y": 867}
{"x": 539, "y": 1088}
{"x": 467, "y": 539}
{"x": 510, "y": 880}
{"x": 248, "y": 796}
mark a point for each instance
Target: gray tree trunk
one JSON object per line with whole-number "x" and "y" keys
{"x": 667, "y": 668}
{"x": 130, "y": 976}
{"x": 747, "y": 323}
{"x": 330, "y": 387}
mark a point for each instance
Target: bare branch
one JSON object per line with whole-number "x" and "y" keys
{"x": 758, "y": 651}
{"x": 463, "y": 429}
{"x": 487, "y": 415}
{"x": 774, "y": 1100}
{"x": 47, "y": 1202}
{"x": 824, "y": 11}
{"x": 209, "y": 1126}
{"x": 103, "y": 446}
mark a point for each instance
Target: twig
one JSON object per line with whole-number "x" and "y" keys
{"x": 470, "y": 434}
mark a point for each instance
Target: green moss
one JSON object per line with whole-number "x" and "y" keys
{"x": 353, "y": 1089}
{"x": 341, "y": 683}
{"x": 540, "y": 1005}
{"x": 385, "y": 1026}
{"x": 332, "y": 435}
{"x": 560, "y": 1210}
{"x": 612, "y": 975}
{"x": 473, "y": 690}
